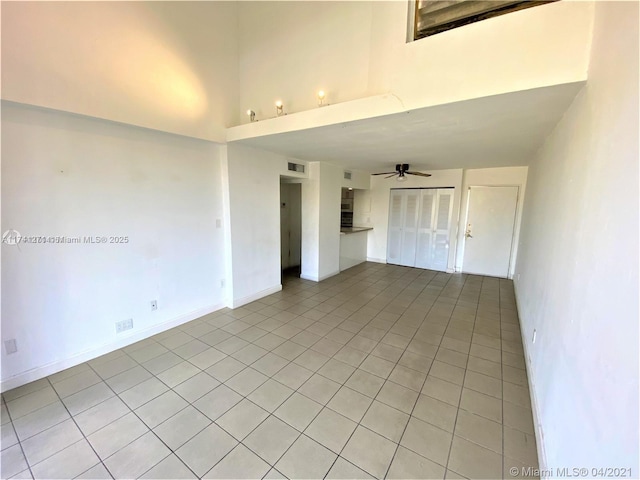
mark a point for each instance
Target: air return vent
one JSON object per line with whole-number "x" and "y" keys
{"x": 295, "y": 167}
{"x": 347, "y": 175}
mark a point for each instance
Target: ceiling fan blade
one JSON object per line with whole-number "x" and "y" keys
{"x": 419, "y": 174}
{"x": 385, "y": 173}
{"x": 392, "y": 175}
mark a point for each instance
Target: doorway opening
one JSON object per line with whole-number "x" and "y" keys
{"x": 290, "y": 228}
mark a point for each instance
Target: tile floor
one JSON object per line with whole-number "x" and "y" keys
{"x": 382, "y": 371}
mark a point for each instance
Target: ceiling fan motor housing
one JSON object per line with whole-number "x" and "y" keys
{"x": 402, "y": 167}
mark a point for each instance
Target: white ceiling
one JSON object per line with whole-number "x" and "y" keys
{"x": 502, "y": 130}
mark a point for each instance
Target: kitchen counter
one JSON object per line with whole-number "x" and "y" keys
{"x": 350, "y": 230}
{"x": 353, "y": 248}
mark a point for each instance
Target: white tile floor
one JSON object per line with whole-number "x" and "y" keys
{"x": 381, "y": 371}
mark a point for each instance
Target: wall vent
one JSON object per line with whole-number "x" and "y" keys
{"x": 295, "y": 167}
{"x": 347, "y": 175}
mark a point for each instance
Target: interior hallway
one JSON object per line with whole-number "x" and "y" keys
{"x": 380, "y": 371}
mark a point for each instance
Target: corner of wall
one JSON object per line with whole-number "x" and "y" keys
{"x": 228, "y": 246}
{"x": 535, "y": 405}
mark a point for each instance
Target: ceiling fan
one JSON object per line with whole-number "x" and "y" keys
{"x": 401, "y": 170}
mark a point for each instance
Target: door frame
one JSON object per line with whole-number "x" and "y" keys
{"x": 516, "y": 213}
{"x": 287, "y": 180}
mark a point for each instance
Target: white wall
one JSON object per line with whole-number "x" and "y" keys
{"x": 511, "y": 176}
{"x": 311, "y": 224}
{"x": 170, "y": 66}
{"x": 66, "y": 175}
{"x": 380, "y": 191}
{"x": 321, "y": 221}
{"x": 578, "y": 262}
{"x": 254, "y": 203}
{"x": 331, "y": 179}
{"x": 253, "y": 179}
{"x": 487, "y": 57}
{"x": 290, "y": 50}
{"x": 352, "y": 50}
{"x": 359, "y": 180}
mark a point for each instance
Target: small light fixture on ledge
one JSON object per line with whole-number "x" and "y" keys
{"x": 252, "y": 115}
{"x": 279, "y": 108}
{"x": 321, "y": 96}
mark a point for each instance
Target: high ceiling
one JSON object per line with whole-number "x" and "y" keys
{"x": 496, "y": 131}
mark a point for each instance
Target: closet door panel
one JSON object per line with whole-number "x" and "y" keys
{"x": 424, "y": 248}
{"x": 394, "y": 239}
{"x": 410, "y": 227}
{"x": 419, "y": 227}
{"x": 444, "y": 211}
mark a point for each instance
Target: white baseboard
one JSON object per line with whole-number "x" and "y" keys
{"x": 238, "y": 302}
{"x": 376, "y": 260}
{"x": 55, "y": 367}
{"x": 329, "y": 275}
{"x": 315, "y": 278}
{"x": 537, "y": 426}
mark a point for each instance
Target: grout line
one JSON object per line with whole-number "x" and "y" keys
{"x": 423, "y": 383}
{"x": 357, "y": 294}
{"x": 81, "y": 432}
{"x": 24, "y": 455}
{"x": 150, "y": 430}
{"x": 271, "y": 414}
{"x": 455, "y": 422}
{"x": 501, "y": 379}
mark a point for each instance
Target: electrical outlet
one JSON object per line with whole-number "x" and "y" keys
{"x": 518, "y": 277}
{"x": 10, "y": 346}
{"x": 222, "y": 283}
{"x": 218, "y": 223}
{"x": 533, "y": 337}
{"x": 154, "y": 305}
{"x": 124, "y": 325}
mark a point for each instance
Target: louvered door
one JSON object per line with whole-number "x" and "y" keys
{"x": 394, "y": 239}
{"x": 425, "y": 228}
{"x": 419, "y": 226}
{"x": 442, "y": 227}
{"x": 410, "y": 227}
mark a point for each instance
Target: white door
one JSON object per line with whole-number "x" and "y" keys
{"x": 394, "y": 239}
{"x": 404, "y": 206}
{"x": 424, "y": 252}
{"x": 410, "y": 228}
{"x": 491, "y": 214}
{"x": 419, "y": 224}
{"x": 442, "y": 226}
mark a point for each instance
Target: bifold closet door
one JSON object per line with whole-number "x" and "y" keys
{"x": 419, "y": 224}
{"x": 410, "y": 228}
{"x": 436, "y": 207}
{"x": 404, "y": 207}
{"x": 394, "y": 238}
{"x": 424, "y": 249}
{"x": 442, "y": 227}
